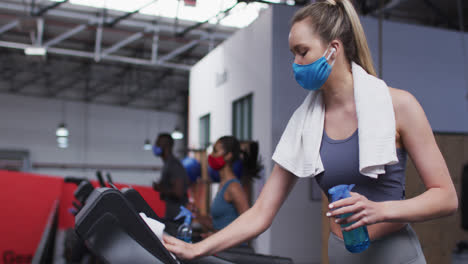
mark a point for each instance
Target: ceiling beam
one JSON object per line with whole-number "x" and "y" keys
{"x": 199, "y": 24}
{"x": 116, "y": 20}
{"x": 90, "y": 55}
{"x": 121, "y": 44}
{"x": 65, "y": 35}
{"x": 143, "y": 90}
{"x": 103, "y": 85}
{"x": 34, "y": 79}
{"x": 70, "y": 14}
{"x": 440, "y": 14}
{"x": 74, "y": 99}
{"x": 9, "y": 26}
{"x": 155, "y": 48}
{"x": 67, "y": 85}
{"x": 180, "y": 50}
{"x": 44, "y": 10}
{"x": 392, "y": 4}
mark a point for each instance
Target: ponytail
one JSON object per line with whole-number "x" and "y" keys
{"x": 251, "y": 164}
{"x": 363, "y": 56}
{"x": 337, "y": 19}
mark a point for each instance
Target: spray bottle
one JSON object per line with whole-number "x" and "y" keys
{"x": 356, "y": 240}
{"x": 184, "y": 232}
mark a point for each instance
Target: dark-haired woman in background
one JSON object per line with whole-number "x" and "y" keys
{"x": 230, "y": 200}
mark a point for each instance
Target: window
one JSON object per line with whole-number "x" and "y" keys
{"x": 242, "y": 118}
{"x": 204, "y": 131}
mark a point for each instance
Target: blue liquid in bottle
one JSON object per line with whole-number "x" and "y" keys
{"x": 356, "y": 240}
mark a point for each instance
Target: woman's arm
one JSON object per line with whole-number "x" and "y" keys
{"x": 439, "y": 199}
{"x": 237, "y": 197}
{"x": 247, "y": 226}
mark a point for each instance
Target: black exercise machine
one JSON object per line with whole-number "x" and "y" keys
{"x": 109, "y": 223}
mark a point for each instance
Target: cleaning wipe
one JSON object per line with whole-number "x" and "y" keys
{"x": 155, "y": 226}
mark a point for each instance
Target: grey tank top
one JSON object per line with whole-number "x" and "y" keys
{"x": 340, "y": 160}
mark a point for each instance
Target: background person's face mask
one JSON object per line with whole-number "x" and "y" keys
{"x": 157, "y": 151}
{"x": 313, "y": 76}
{"x": 216, "y": 163}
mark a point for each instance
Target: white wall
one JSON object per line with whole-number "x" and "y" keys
{"x": 109, "y": 135}
{"x": 246, "y": 57}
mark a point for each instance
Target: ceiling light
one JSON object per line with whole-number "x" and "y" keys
{"x": 62, "y": 130}
{"x": 176, "y": 135}
{"x": 35, "y": 51}
{"x": 62, "y": 142}
{"x": 147, "y": 145}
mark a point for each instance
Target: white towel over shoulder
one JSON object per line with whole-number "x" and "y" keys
{"x": 298, "y": 150}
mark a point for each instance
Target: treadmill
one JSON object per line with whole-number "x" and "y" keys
{"x": 236, "y": 255}
{"x": 115, "y": 233}
{"x": 110, "y": 225}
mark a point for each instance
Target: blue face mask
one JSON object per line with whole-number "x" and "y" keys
{"x": 313, "y": 76}
{"x": 157, "y": 151}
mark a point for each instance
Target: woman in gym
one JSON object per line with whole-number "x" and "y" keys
{"x": 351, "y": 129}
{"x": 230, "y": 200}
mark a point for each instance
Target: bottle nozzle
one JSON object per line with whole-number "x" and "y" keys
{"x": 340, "y": 191}
{"x": 184, "y": 212}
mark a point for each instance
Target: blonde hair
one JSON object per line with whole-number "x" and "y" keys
{"x": 337, "y": 19}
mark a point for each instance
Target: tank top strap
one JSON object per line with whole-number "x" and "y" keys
{"x": 223, "y": 190}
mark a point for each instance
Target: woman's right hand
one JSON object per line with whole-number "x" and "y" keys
{"x": 181, "y": 249}
{"x": 247, "y": 226}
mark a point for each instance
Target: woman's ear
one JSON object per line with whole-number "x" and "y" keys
{"x": 228, "y": 157}
{"x": 336, "y": 47}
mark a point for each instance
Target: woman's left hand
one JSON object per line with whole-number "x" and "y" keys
{"x": 364, "y": 212}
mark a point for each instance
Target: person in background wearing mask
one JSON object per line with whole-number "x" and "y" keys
{"x": 323, "y": 140}
{"x": 174, "y": 180}
{"x": 230, "y": 200}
